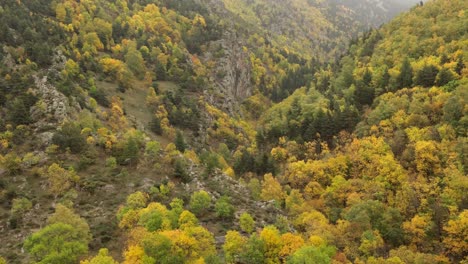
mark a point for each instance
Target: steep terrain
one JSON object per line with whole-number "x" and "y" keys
{"x": 209, "y": 131}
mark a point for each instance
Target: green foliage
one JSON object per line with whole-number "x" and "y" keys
{"x": 135, "y": 62}
{"x": 180, "y": 142}
{"x": 180, "y": 170}
{"x": 137, "y": 200}
{"x": 405, "y": 79}
{"x": 253, "y": 251}
{"x": 158, "y": 247}
{"x": 224, "y": 208}
{"x": 246, "y": 222}
{"x": 69, "y": 137}
{"x": 426, "y": 76}
{"x": 310, "y": 254}
{"x": 102, "y": 258}
{"x": 200, "y": 202}
{"x": 20, "y": 206}
{"x": 56, "y": 243}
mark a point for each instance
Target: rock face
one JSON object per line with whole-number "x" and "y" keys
{"x": 235, "y": 64}
{"x": 232, "y": 75}
{"x": 53, "y": 107}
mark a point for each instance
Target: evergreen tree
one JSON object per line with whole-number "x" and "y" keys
{"x": 444, "y": 76}
{"x": 180, "y": 142}
{"x": 460, "y": 65}
{"x": 180, "y": 170}
{"x": 426, "y": 76}
{"x": 405, "y": 79}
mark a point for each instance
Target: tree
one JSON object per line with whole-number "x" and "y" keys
{"x": 102, "y": 258}
{"x": 405, "y": 79}
{"x": 200, "y": 202}
{"x": 253, "y": 251}
{"x": 70, "y": 137}
{"x": 444, "y": 76}
{"x": 128, "y": 152}
{"x": 271, "y": 189}
{"x": 457, "y": 232}
{"x": 180, "y": 142}
{"x": 20, "y": 206}
{"x": 371, "y": 243}
{"x": 290, "y": 243}
{"x": 460, "y": 65}
{"x": 180, "y": 170}
{"x": 65, "y": 215}
{"x": 187, "y": 220}
{"x": 135, "y": 62}
{"x": 223, "y": 208}
{"x": 117, "y": 119}
{"x": 60, "y": 180}
{"x": 246, "y": 222}
{"x": 310, "y": 254}
{"x": 233, "y": 245}
{"x": 426, "y": 76}
{"x": 272, "y": 239}
{"x": 137, "y": 200}
{"x": 18, "y": 112}
{"x": 157, "y": 247}
{"x": 56, "y": 243}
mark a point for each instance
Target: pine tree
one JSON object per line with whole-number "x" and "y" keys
{"x": 180, "y": 142}
{"x": 405, "y": 79}
{"x": 427, "y": 75}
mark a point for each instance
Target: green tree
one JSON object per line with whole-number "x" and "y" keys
{"x": 253, "y": 251}
{"x": 135, "y": 62}
{"x": 102, "y": 258}
{"x": 247, "y": 223}
{"x": 57, "y": 243}
{"x": 426, "y": 76}
{"x": 157, "y": 247}
{"x": 180, "y": 142}
{"x": 444, "y": 76}
{"x": 200, "y": 202}
{"x": 66, "y": 215}
{"x": 311, "y": 254}
{"x": 405, "y": 79}
{"x": 460, "y": 65}
{"x": 69, "y": 137}
{"x": 224, "y": 208}
{"x": 180, "y": 170}
{"x": 60, "y": 180}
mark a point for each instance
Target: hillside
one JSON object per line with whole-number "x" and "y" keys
{"x": 219, "y": 131}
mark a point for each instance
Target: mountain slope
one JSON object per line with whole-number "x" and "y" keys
{"x": 121, "y": 127}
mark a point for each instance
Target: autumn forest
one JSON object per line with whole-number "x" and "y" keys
{"x": 233, "y": 131}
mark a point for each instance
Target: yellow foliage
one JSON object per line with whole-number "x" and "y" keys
{"x": 457, "y": 234}
{"x": 290, "y": 243}
{"x": 271, "y": 189}
{"x": 134, "y": 255}
{"x": 233, "y": 245}
{"x": 272, "y": 239}
{"x": 59, "y": 179}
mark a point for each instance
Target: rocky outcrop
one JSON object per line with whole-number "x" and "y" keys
{"x": 53, "y": 106}
{"x": 231, "y": 75}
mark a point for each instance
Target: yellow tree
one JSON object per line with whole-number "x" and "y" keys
{"x": 290, "y": 243}
{"x": 417, "y": 227}
{"x": 102, "y": 258}
{"x": 233, "y": 246}
{"x": 457, "y": 233}
{"x": 272, "y": 239}
{"x": 117, "y": 119}
{"x": 59, "y": 179}
{"x": 271, "y": 189}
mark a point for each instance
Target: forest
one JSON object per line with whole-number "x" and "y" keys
{"x": 243, "y": 132}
